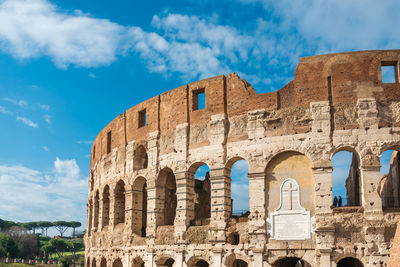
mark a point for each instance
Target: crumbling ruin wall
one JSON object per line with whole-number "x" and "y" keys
{"x": 335, "y": 102}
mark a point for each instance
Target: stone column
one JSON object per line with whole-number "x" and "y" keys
{"x": 371, "y": 200}
{"x": 325, "y": 239}
{"x": 323, "y": 187}
{"x": 257, "y": 217}
{"x": 217, "y": 256}
{"x": 258, "y": 258}
{"x": 100, "y": 227}
{"x": 112, "y": 204}
{"x": 129, "y": 212}
{"x": 185, "y": 205}
{"x": 221, "y": 207}
{"x": 152, "y": 211}
{"x": 179, "y": 258}
{"x": 150, "y": 259}
{"x": 90, "y": 216}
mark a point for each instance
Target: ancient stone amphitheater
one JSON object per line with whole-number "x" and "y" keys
{"x": 145, "y": 207}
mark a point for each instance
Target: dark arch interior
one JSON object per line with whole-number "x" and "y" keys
{"x": 202, "y": 263}
{"x": 234, "y": 238}
{"x": 103, "y": 263}
{"x": 291, "y": 262}
{"x": 239, "y": 263}
{"x": 167, "y": 262}
{"x": 117, "y": 263}
{"x": 349, "y": 262}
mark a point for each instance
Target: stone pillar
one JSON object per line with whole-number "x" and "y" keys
{"x": 185, "y": 205}
{"x": 325, "y": 239}
{"x": 112, "y": 206}
{"x": 221, "y": 207}
{"x": 217, "y": 256}
{"x": 150, "y": 259}
{"x": 257, "y": 217}
{"x": 371, "y": 200}
{"x": 129, "y": 212}
{"x": 152, "y": 211}
{"x": 323, "y": 187}
{"x": 100, "y": 227}
{"x": 89, "y": 208}
{"x": 258, "y": 258}
{"x": 179, "y": 259}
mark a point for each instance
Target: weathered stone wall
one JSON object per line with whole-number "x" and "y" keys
{"x": 335, "y": 102}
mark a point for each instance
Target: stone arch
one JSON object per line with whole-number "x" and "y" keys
{"x": 236, "y": 260}
{"x": 96, "y": 207}
{"x": 140, "y": 158}
{"x": 202, "y": 194}
{"x": 232, "y": 165}
{"x": 88, "y": 262}
{"x": 389, "y": 185}
{"x": 284, "y": 165}
{"x": 353, "y": 180}
{"x": 166, "y": 192}
{"x": 117, "y": 263}
{"x": 106, "y": 207}
{"x": 335, "y": 60}
{"x": 349, "y": 262}
{"x": 103, "y": 262}
{"x": 290, "y": 262}
{"x": 197, "y": 262}
{"x": 119, "y": 203}
{"x": 137, "y": 262}
{"x": 94, "y": 262}
{"x": 165, "y": 261}
{"x": 139, "y": 199}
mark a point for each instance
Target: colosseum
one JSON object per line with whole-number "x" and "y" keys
{"x": 146, "y": 207}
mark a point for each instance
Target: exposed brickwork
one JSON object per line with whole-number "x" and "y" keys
{"x": 335, "y": 102}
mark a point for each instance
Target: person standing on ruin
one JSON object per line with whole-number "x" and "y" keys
{"x": 340, "y": 201}
{"x": 335, "y": 201}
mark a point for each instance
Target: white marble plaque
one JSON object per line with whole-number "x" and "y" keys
{"x": 290, "y": 221}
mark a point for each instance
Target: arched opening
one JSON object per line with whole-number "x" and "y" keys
{"x": 202, "y": 193}
{"x": 299, "y": 169}
{"x": 117, "y": 263}
{"x": 94, "y": 263}
{"x": 106, "y": 206}
{"x": 90, "y": 215}
{"x": 96, "y": 210}
{"x": 239, "y": 263}
{"x": 202, "y": 263}
{"x": 346, "y": 179}
{"x": 138, "y": 262}
{"x": 139, "y": 198}
{"x": 349, "y": 262}
{"x": 166, "y": 187}
{"x": 389, "y": 186}
{"x": 103, "y": 262}
{"x": 237, "y": 169}
{"x": 166, "y": 262}
{"x": 119, "y": 203}
{"x": 140, "y": 158}
{"x": 291, "y": 262}
{"x": 88, "y": 262}
{"x": 233, "y": 238}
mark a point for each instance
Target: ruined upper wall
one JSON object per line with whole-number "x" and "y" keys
{"x": 340, "y": 79}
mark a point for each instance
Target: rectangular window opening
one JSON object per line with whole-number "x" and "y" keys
{"x": 109, "y": 142}
{"x": 199, "y": 99}
{"x": 142, "y": 118}
{"x": 94, "y": 152}
{"x": 389, "y": 72}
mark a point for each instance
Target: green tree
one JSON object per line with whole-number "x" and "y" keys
{"x": 46, "y": 249}
{"x": 44, "y": 225}
{"x": 61, "y": 226}
{"x": 5, "y": 224}
{"x": 59, "y": 246}
{"x": 8, "y": 248}
{"x": 75, "y": 246}
{"x": 73, "y": 226}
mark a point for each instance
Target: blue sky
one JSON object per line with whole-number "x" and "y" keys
{"x": 67, "y": 68}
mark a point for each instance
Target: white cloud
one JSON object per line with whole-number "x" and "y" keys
{"x": 21, "y": 103}
{"x": 67, "y": 39}
{"x": 5, "y": 111}
{"x": 33, "y": 195}
{"x": 44, "y": 107}
{"x": 27, "y": 122}
{"x": 45, "y": 148}
{"x": 47, "y": 118}
{"x": 92, "y": 75}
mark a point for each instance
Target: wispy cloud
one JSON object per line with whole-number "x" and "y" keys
{"x": 47, "y": 118}
{"x": 3, "y": 110}
{"x": 44, "y": 107}
{"x": 92, "y": 75}
{"x": 20, "y": 103}
{"x": 84, "y": 142}
{"x": 57, "y": 195}
{"x": 27, "y": 122}
{"x": 45, "y": 148}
